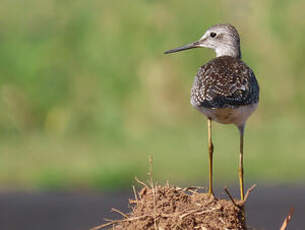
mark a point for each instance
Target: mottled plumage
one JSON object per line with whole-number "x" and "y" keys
{"x": 224, "y": 82}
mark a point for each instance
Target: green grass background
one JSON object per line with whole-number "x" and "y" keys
{"x": 86, "y": 93}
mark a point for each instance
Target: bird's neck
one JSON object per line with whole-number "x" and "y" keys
{"x": 228, "y": 50}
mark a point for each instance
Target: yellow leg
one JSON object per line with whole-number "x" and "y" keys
{"x": 211, "y": 149}
{"x": 241, "y": 159}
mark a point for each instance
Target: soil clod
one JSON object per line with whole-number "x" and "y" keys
{"x": 171, "y": 208}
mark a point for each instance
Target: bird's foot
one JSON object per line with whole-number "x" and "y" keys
{"x": 212, "y": 196}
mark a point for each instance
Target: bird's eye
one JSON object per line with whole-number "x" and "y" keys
{"x": 212, "y": 34}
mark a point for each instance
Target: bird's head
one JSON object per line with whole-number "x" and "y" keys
{"x": 223, "y": 38}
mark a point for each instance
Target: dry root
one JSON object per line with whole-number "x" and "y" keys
{"x": 287, "y": 219}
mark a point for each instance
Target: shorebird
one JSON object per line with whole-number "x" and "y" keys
{"x": 225, "y": 89}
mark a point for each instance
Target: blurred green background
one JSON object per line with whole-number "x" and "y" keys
{"x": 86, "y": 93}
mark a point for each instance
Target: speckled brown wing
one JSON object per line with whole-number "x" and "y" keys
{"x": 224, "y": 82}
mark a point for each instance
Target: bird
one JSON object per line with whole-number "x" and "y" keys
{"x": 225, "y": 89}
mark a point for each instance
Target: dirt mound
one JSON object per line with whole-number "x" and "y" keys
{"x": 169, "y": 207}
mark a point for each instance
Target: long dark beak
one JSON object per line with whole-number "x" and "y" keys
{"x": 186, "y": 47}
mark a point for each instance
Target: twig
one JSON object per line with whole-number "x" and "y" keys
{"x": 112, "y": 222}
{"x": 135, "y": 192}
{"x": 190, "y": 188}
{"x": 287, "y": 219}
{"x": 196, "y": 211}
{"x": 230, "y": 196}
{"x": 102, "y": 226}
{"x": 188, "y": 213}
{"x": 140, "y": 182}
{"x": 150, "y": 173}
{"x": 118, "y": 211}
{"x": 155, "y": 211}
{"x": 109, "y": 220}
{"x": 153, "y": 187}
{"x": 206, "y": 211}
{"x": 241, "y": 203}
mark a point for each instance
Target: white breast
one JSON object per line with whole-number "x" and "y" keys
{"x": 237, "y": 116}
